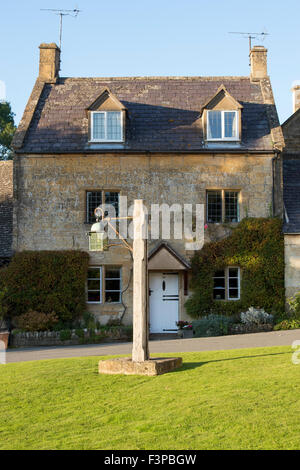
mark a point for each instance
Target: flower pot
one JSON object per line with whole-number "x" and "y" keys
{"x": 4, "y": 335}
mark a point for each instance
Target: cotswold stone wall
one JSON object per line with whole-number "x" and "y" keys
{"x": 50, "y": 200}
{"x": 54, "y": 338}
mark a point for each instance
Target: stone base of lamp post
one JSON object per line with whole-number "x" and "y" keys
{"x": 125, "y": 366}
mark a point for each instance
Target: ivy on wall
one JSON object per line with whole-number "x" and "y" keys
{"x": 46, "y": 281}
{"x": 257, "y": 246}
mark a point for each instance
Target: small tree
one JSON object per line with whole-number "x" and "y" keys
{"x": 7, "y": 130}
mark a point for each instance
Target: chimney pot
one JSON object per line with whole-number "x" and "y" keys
{"x": 258, "y": 61}
{"x": 49, "y": 62}
{"x": 296, "y": 96}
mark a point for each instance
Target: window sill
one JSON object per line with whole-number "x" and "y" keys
{"x": 106, "y": 141}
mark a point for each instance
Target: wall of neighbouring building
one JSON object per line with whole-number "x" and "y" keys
{"x": 292, "y": 264}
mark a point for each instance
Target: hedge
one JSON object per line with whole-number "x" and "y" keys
{"x": 46, "y": 281}
{"x": 257, "y": 246}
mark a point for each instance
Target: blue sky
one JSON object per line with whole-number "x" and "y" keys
{"x": 146, "y": 38}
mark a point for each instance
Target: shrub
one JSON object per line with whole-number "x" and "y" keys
{"x": 290, "y": 324}
{"x": 294, "y": 304}
{"x": 65, "y": 335}
{"x": 256, "y": 316}
{"x": 212, "y": 325}
{"x": 3, "y": 307}
{"x": 46, "y": 281}
{"x": 79, "y": 332}
{"x": 36, "y": 321}
{"x": 256, "y": 245}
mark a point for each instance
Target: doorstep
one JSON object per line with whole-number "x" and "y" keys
{"x": 160, "y": 336}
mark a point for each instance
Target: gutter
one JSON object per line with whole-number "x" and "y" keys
{"x": 148, "y": 152}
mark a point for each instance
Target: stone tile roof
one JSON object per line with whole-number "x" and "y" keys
{"x": 163, "y": 113}
{"x": 291, "y": 193}
{"x": 6, "y": 208}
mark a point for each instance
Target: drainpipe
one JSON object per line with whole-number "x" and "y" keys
{"x": 275, "y": 159}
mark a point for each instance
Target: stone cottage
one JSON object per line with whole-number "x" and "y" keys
{"x": 214, "y": 141}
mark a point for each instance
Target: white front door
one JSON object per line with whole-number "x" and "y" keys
{"x": 163, "y": 302}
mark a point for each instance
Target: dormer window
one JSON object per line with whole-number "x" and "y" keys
{"x": 222, "y": 125}
{"x": 107, "y": 118}
{"x": 222, "y": 118}
{"x": 107, "y": 126}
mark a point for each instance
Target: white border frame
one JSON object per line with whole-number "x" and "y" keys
{"x": 223, "y": 138}
{"x": 112, "y": 279}
{"x": 239, "y": 283}
{"x": 105, "y": 121}
{"x": 101, "y": 288}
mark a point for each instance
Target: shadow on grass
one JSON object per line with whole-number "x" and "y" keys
{"x": 195, "y": 365}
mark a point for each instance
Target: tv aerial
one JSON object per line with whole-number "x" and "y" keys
{"x": 251, "y": 36}
{"x": 61, "y": 13}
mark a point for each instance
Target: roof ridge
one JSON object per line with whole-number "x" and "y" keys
{"x": 162, "y": 77}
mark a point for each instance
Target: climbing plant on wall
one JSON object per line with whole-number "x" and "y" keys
{"x": 46, "y": 281}
{"x": 256, "y": 245}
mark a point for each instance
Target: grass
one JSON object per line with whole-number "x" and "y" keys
{"x": 239, "y": 399}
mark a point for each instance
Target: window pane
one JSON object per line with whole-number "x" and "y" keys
{"x": 112, "y": 198}
{"x": 233, "y": 282}
{"x": 99, "y": 126}
{"x": 231, "y": 206}
{"x": 112, "y": 297}
{"x": 112, "y": 273}
{"x": 94, "y": 199}
{"x": 94, "y": 285}
{"x": 233, "y": 293}
{"x": 114, "y": 131}
{"x": 229, "y": 124}
{"x": 214, "y": 125}
{"x": 214, "y": 206}
{"x": 112, "y": 285}
{"x": 220, "y": 273}
{"x": 93, "y": 296}
{"x": 219, "y": 294}
{"x": 93, "y": 273}
{"x": 233, "y": 272}
{"x": 219, "y": 282}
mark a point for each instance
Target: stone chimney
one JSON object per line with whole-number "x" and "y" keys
{"x": 258, "y": 62}
{"x": 296, "y": 96}
{"x": 49, "y": 62}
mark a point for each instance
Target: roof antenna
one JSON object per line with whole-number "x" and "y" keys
{"x": 61, "y": 13}
{"x": 251, "y": 36}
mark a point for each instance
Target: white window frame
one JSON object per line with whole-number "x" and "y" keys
{"x": 226, "y": 277}
{"x": 239, "y": 282}
{"x": 223, "y": 138}
{"x": 93, "y": 290}
{"x": 105, "y": 126}
{"x": 113, "y": 279}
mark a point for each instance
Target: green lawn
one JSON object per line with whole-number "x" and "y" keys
{"x": 240, "y": 399}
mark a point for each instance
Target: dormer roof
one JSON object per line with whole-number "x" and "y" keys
{"x": 106, "y": 101}
{"x": 221, "y": 95}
